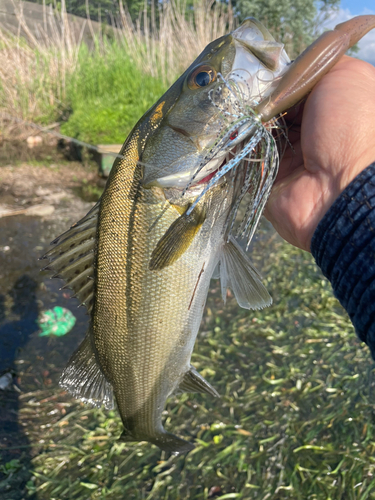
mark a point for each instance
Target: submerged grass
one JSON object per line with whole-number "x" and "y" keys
{"x": 295, "y": 419}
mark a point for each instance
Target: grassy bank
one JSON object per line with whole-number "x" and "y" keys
{"x": 107, "y": 95}
{"x": 294, "y": 421}
{"x": 98, "y": 94}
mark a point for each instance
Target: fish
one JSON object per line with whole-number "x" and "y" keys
{"x": 142, "y": 259}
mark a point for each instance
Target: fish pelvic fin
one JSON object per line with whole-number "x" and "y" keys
{"x": 84, "y": 379}
{"x": 238, "y": 274}
{"x": 72, "y": 257}
{"x": 194, "y": 382}
{"x": 163, "y": 439}
{"x": 177, "y": 239}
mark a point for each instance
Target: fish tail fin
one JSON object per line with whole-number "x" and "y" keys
{"x": 164, "y": 440}
{"x": 169, "y": 442}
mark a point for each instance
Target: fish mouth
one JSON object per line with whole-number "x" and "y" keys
{"x": 258, "y": 63}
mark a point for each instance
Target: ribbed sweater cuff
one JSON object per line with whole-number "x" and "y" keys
{"x": 344, "y": 248}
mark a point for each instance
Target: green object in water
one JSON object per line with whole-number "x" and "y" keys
{"x": 57, "y": 321}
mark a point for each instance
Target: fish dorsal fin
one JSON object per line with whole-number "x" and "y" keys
{"x": 194, "y": 382}
{"x": 72, "y": 257}
{"x": 83, "y": 378}
{"x": 177, "y": 239}
{"x": 238, "y": 274}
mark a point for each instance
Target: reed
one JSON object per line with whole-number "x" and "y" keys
{"x": 164, "y": 43}
{"x": 36, "y": 71}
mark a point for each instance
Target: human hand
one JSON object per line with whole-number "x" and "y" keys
{"x": 333, "y": 136}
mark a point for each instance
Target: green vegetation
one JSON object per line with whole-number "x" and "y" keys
{"x": 11, "y": 467}
{"x": 294, "y": 421}
{"x": 106, "y": 95}
{"x": 97, "y": 95}
{"x": 97, "y": 9}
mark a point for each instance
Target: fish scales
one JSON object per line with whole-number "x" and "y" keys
{"x": 144, "y": 320}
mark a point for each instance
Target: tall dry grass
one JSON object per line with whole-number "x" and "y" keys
{"x": 164, "y": 43}
{"x": 35, "y": 70}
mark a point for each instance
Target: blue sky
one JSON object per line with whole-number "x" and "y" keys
{"x": 349, "y": 9}
{"x": 357, "y": 7}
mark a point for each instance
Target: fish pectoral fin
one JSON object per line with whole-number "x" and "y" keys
{"x": 84, "y": 379}
{"x": 194, "y": 382}
{"x": 177, "y": 239}
{"x": 72, "y": 257}
{"x": 238, "y": 274}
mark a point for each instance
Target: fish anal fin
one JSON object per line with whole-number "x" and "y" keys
{"x": 177, "y": 239}
{"x": 194, "y": 382}
{"x": 84, "y": 379}
{"x": 238, "y": 274}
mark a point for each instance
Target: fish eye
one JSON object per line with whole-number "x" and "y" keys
{"x": 201, "y": 77}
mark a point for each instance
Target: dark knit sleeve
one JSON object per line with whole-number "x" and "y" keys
{"x": 344, "y": 248}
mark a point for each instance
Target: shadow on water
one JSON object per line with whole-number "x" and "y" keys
{"x": 15, "y": 457}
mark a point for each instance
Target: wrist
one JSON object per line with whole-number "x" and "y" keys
{"x": 331, "y": 181}
{"x": 343, "y": 246}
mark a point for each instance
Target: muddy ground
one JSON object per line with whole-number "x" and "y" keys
{"x": 58, "y": 185}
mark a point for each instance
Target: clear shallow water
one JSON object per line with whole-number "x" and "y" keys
{"x": 35, "y": 362}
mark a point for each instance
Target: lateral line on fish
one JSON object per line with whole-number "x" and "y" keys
{"x": 196, "y": 285}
